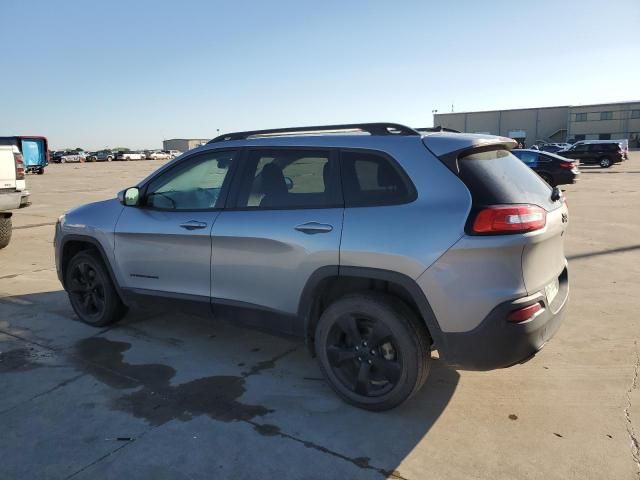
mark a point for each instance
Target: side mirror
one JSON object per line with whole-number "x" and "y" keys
{"x": 129, "y": 197}
{"x": 289, "y": 183}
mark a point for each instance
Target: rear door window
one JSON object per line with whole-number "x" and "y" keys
{"x": 497, "y": 177}
{"x": 289, "y": 179}
{"x": 370, "y": 178}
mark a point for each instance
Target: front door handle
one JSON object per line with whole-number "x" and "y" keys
{"x": 314, "y": 227}
{"x": 193, "y": 225}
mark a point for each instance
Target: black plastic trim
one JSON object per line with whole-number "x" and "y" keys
{"x": 498, "y": 343}
{"x": 310, "y": 292}
{"x": 94, "y": 243}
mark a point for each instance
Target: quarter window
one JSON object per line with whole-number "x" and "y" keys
{"x": 289, "y": 178}
{"x": 372, "y": 179}
{"x": 194, "y": 185}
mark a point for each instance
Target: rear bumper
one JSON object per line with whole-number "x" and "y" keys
{"x": 14, "y": 200}
{"x": 497, "y": 343}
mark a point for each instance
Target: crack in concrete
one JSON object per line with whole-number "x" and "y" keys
{"x": 360, "y": 462}
{"x": 62, "y": 384}
{"x": 14, "y": 275}
{"x": 635, "y": 442}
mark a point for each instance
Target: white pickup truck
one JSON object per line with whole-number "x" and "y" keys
{"x": 13, "y": 189}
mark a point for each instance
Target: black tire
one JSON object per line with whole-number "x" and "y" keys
{"x": 92, "y": 295}
{"x": 605, "y": 162}
{"x": 40, "y": 171}
{"x": 389, "y": 344}
{"x": 547, "y": 178}
{"x": 109, "y": 158}
{"x": 5, "y": 231}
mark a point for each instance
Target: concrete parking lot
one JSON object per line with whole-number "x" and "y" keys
{"x": 167, "y": 395}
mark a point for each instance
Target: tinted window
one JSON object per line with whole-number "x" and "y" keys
{"x": 529, "y": 158}
{"x": 193, "y": 185}
{"x": 497, "y": 177}
{"x": 606, "y": 115}
{"x": 635, "y": 113}
{"x": 372, "y": 179}
{"x": 289, "y": 178}
{"x": 581, "y": 117}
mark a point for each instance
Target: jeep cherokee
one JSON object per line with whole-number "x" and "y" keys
{"x": 376, "y": 243}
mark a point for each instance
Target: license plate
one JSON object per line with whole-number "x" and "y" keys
{"x": 551, "y": 290}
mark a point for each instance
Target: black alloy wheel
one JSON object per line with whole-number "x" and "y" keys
{"x": 363, "y": 355}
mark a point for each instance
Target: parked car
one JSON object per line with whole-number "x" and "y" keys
{"x": 551, "y": 148}
{"x": 71, "y": 156}
{"x": 34, "y": 150}
{"x": 173, "y": 153}
{"x": 159, "y": 155}
{"x": 122, "y": 155}
{"x": 374, "y": 248}
{"x": 101, "y": 156}
{"x": 554, "y": 169}
{"x": 599, "y": 152}
{"x": 13, "y": 190}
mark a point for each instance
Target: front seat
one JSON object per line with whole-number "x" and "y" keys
{"x": 273, "y": 186}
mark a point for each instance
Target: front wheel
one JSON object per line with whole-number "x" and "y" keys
{"x": 91, "y": 292}
{"x": 605, "y": 162}
{"x": 373, "y": 350}
{"x": 5, "y": 231}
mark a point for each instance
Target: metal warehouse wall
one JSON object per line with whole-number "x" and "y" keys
{"x": 615, "y": 120}
{"x": 538, "y": 123}
{"x": 592, "y": 121}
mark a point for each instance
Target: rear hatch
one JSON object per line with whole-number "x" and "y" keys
{"x": 498, "y": 178}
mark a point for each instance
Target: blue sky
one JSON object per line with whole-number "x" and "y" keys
{"x": 131, "y": 73}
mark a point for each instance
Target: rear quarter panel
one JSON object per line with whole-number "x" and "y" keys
{"x": 408, "y": 238}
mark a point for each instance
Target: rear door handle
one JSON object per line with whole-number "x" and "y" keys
{"x": 193, "y": 225}
{"x": 311, "y": 228}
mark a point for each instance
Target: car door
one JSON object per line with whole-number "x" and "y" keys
{"x": 163, "y": 246}
{"x": 284, "y": 223}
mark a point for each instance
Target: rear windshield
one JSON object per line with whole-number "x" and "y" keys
{"x": 497, "y": 177}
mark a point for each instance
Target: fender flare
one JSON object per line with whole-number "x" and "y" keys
{"x": 98, "y": 246}
{"x": 310, "y": 292}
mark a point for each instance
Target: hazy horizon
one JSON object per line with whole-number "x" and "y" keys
{"x": 130, "y": 74}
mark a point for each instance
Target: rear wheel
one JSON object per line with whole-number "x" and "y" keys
{"x": 40, "y": 171}
{"x": 605, "y": 162}
{"x": 373, "y": 350}
{"x": 5, "y": 231}
{"x": 91, "y": 292}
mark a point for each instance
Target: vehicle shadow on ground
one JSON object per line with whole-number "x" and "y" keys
{"x": 165, "y": 367}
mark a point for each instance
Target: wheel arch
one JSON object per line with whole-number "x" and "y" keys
{"x": 331, "y": 282}
{"x": 73, "y": 244}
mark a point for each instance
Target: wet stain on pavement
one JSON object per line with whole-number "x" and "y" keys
{"x": 156, "y": 400}
{"x": 20, "y": 359}
{"x": 513, "y": 416}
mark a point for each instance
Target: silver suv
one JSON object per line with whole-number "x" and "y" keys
{"x": 376, "y": 243}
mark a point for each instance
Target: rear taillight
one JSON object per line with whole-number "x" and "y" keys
{"x": 525, "y": 313}
{"x": 17, "y": 157}
{"x": 567, "y": 165}
{"x": 505, "y": 219}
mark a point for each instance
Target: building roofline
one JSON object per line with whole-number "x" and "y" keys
{"x": 186, "y": 139}
{"x": 540, "y": 108}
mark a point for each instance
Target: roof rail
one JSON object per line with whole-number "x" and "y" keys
{"x": 439, "y": 128}
{"x": 371, "y": 128}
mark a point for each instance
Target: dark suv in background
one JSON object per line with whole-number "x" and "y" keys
{"x": 603, "y": 153}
